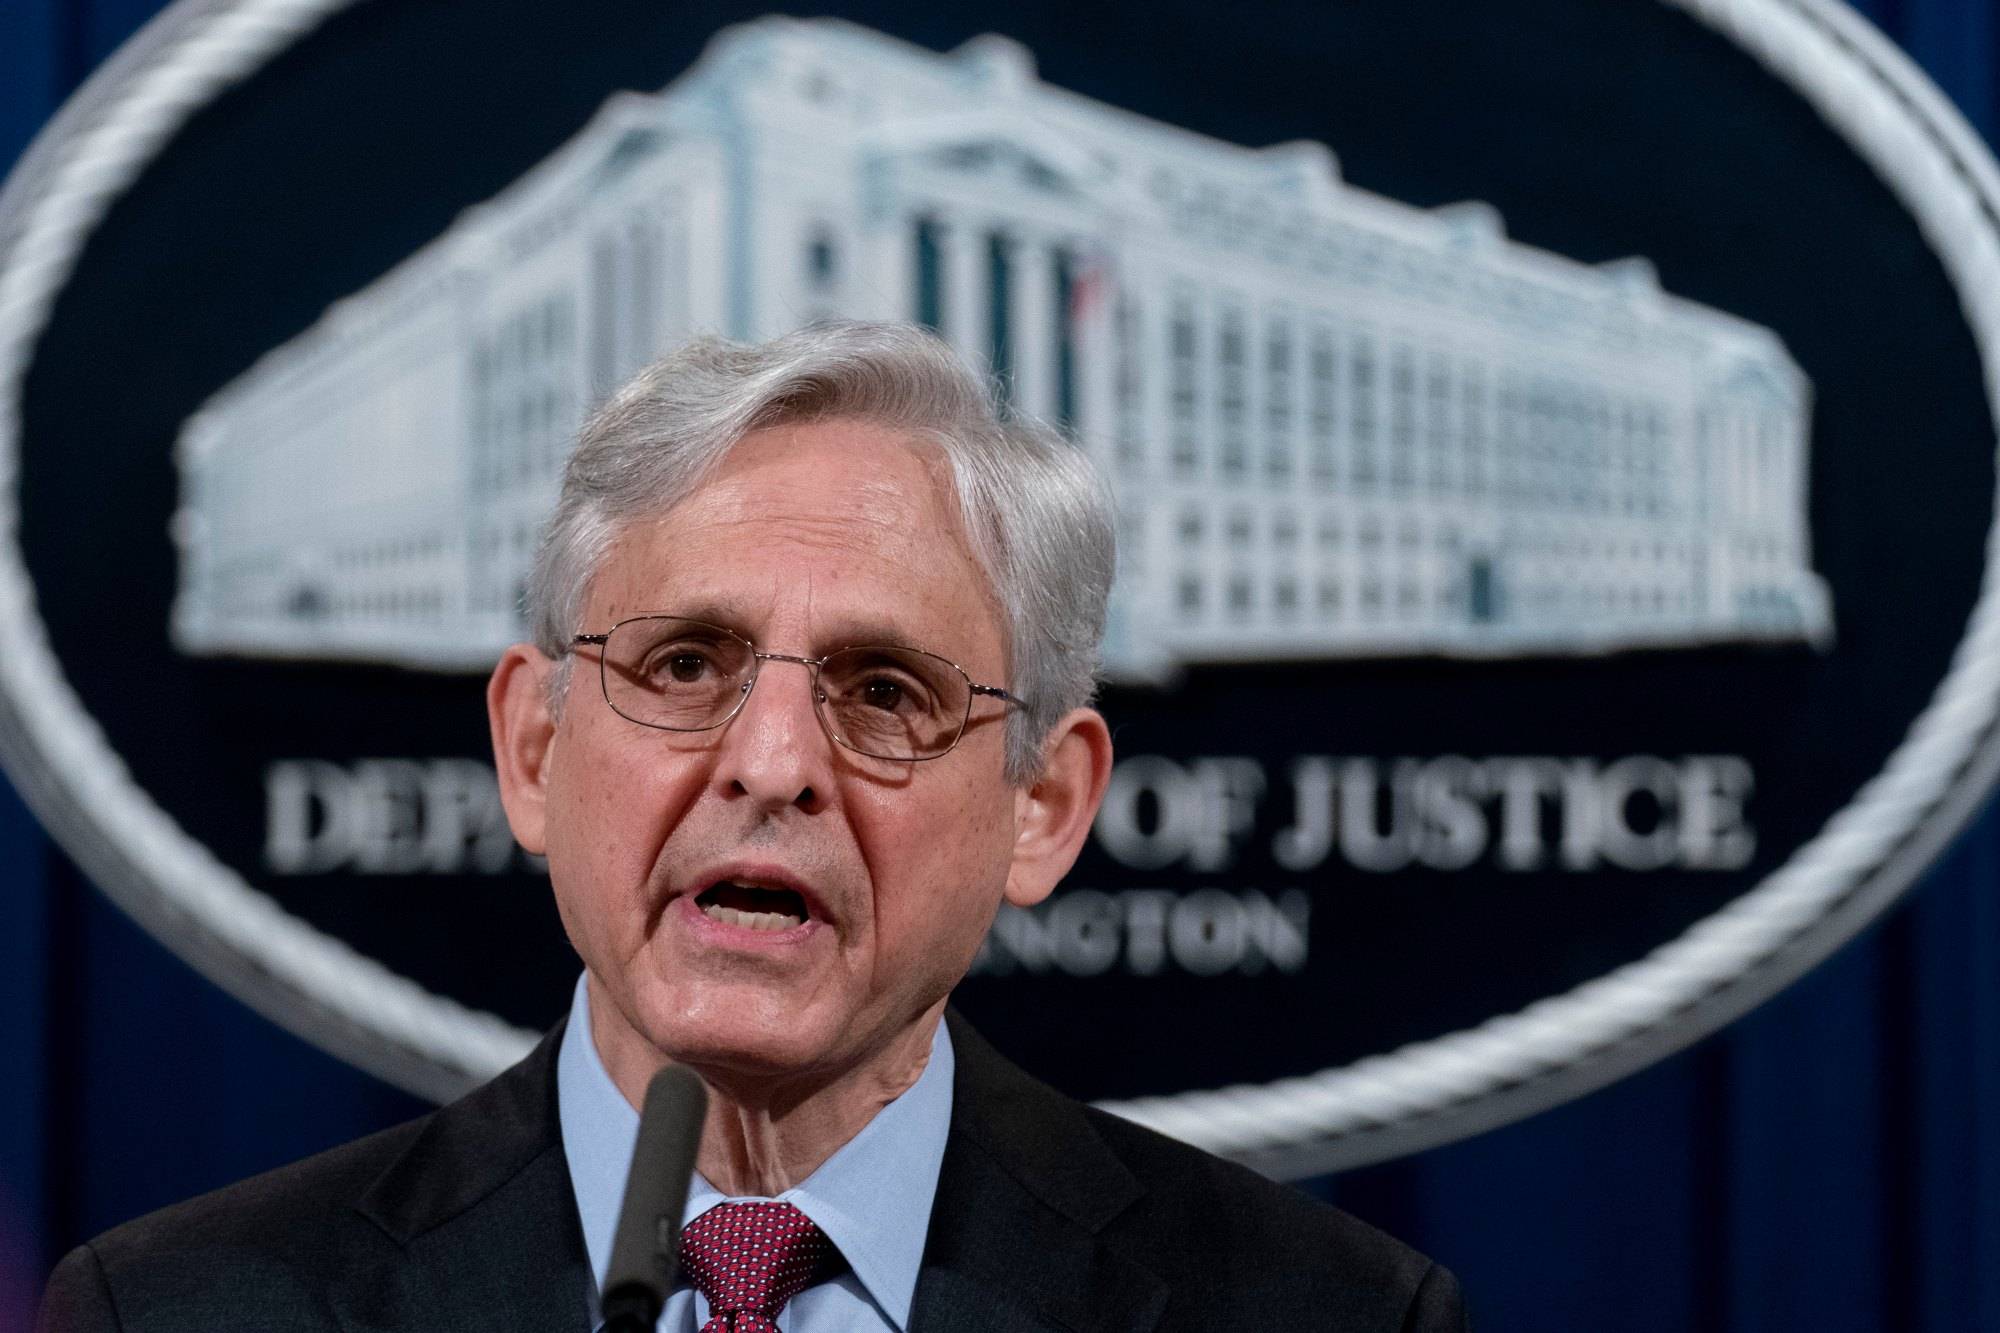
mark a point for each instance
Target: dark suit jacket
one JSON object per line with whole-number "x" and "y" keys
{"x": 1049, "y": 1215}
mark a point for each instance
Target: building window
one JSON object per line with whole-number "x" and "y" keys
{"x": 1437, "y": 427}
{"x": 1655, "y": 460}
{"x": 1068, "y": 291}
{"x": 1472, "y": 429}
{"x": 1361, "y": 408}
{"x": 999, "y": 309}
{"x": 1131, "y": 390}
{"x": 1324, "y": 404}
{"x": 823, "y": 257}
{"x": 1278, "y": 398}
{"x": 1512, "y": 468}
{"x": 1186, "y": 386}
{"x": 1402, "y": 419}
{"x": 929, "y": 288}
{"x": 1234, "y": 395}
{"x": 1483, "y": 591}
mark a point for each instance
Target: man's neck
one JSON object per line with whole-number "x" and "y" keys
{"x": 763, "y": 1136}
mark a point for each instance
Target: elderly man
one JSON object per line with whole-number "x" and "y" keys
{"x": 809, "y": 699}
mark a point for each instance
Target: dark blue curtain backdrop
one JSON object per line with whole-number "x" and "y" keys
{"x": 1830, "y": 1162}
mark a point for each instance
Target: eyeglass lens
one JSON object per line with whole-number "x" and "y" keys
{"x": 683, "y": 675}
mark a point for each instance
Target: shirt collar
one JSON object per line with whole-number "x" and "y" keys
{"x": 872, "y": 1197}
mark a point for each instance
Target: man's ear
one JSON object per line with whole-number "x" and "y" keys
{"x": 524, "y": 733}
{"x": 1053, "y": 814}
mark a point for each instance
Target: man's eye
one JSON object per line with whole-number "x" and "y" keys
{"x": 681, "y": 668}
{"x": 882, "y": 693}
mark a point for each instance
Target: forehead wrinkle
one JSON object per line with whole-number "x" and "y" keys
{"x": 868, "y": 496}
{"x": 871, "y": 515}
{"x": 900, "y": 517}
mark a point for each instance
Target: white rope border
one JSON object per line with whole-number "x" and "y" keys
{"x": 1427, "y": 1077}
{"x": 1811, "y": 44}
{"x": 210, "y": 52}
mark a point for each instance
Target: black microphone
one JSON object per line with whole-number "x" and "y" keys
{"x": 646, "y": 1250}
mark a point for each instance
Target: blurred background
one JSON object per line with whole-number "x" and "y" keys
{"x": 1830, "y": 1161}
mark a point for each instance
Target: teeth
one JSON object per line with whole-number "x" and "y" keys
{"x": 729, "y": 916}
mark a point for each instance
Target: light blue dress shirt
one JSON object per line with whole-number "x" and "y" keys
{"x": 872, "y": 1198}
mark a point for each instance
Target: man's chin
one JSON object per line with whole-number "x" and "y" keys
{"x": 732, "y": 1039}
{"x": 742, "y": 1063}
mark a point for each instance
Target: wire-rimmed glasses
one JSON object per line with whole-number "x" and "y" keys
{"x": 883, "y": 701}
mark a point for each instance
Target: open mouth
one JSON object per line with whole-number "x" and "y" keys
{"x": 753, "y": 907}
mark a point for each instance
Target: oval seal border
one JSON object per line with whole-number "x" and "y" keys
{"x": 1417, "y": 1096}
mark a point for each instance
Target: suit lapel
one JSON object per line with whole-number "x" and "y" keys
{"x": 1024, "y": 1192}
{"x": 482, "y": 1207}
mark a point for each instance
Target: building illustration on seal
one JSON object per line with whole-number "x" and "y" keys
{"x": 1338, "y": 425}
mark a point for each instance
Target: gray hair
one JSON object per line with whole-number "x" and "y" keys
{"x": 1034, "y": 512}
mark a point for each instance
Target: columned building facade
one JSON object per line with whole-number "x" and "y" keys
{"x": 1337, "y": 425}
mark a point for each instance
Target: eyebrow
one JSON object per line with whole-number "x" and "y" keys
{"x": 858, "y": 633}
{"x": 873, "y": 634}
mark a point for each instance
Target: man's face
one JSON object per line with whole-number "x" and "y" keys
{"x": 808, "y": 539}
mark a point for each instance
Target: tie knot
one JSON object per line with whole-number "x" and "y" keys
{"x": 748, "y": 1259}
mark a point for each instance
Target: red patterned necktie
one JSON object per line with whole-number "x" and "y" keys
{"x": 748, "y": 1259}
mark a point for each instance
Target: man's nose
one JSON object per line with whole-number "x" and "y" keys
{"x": 774, "y": 750}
